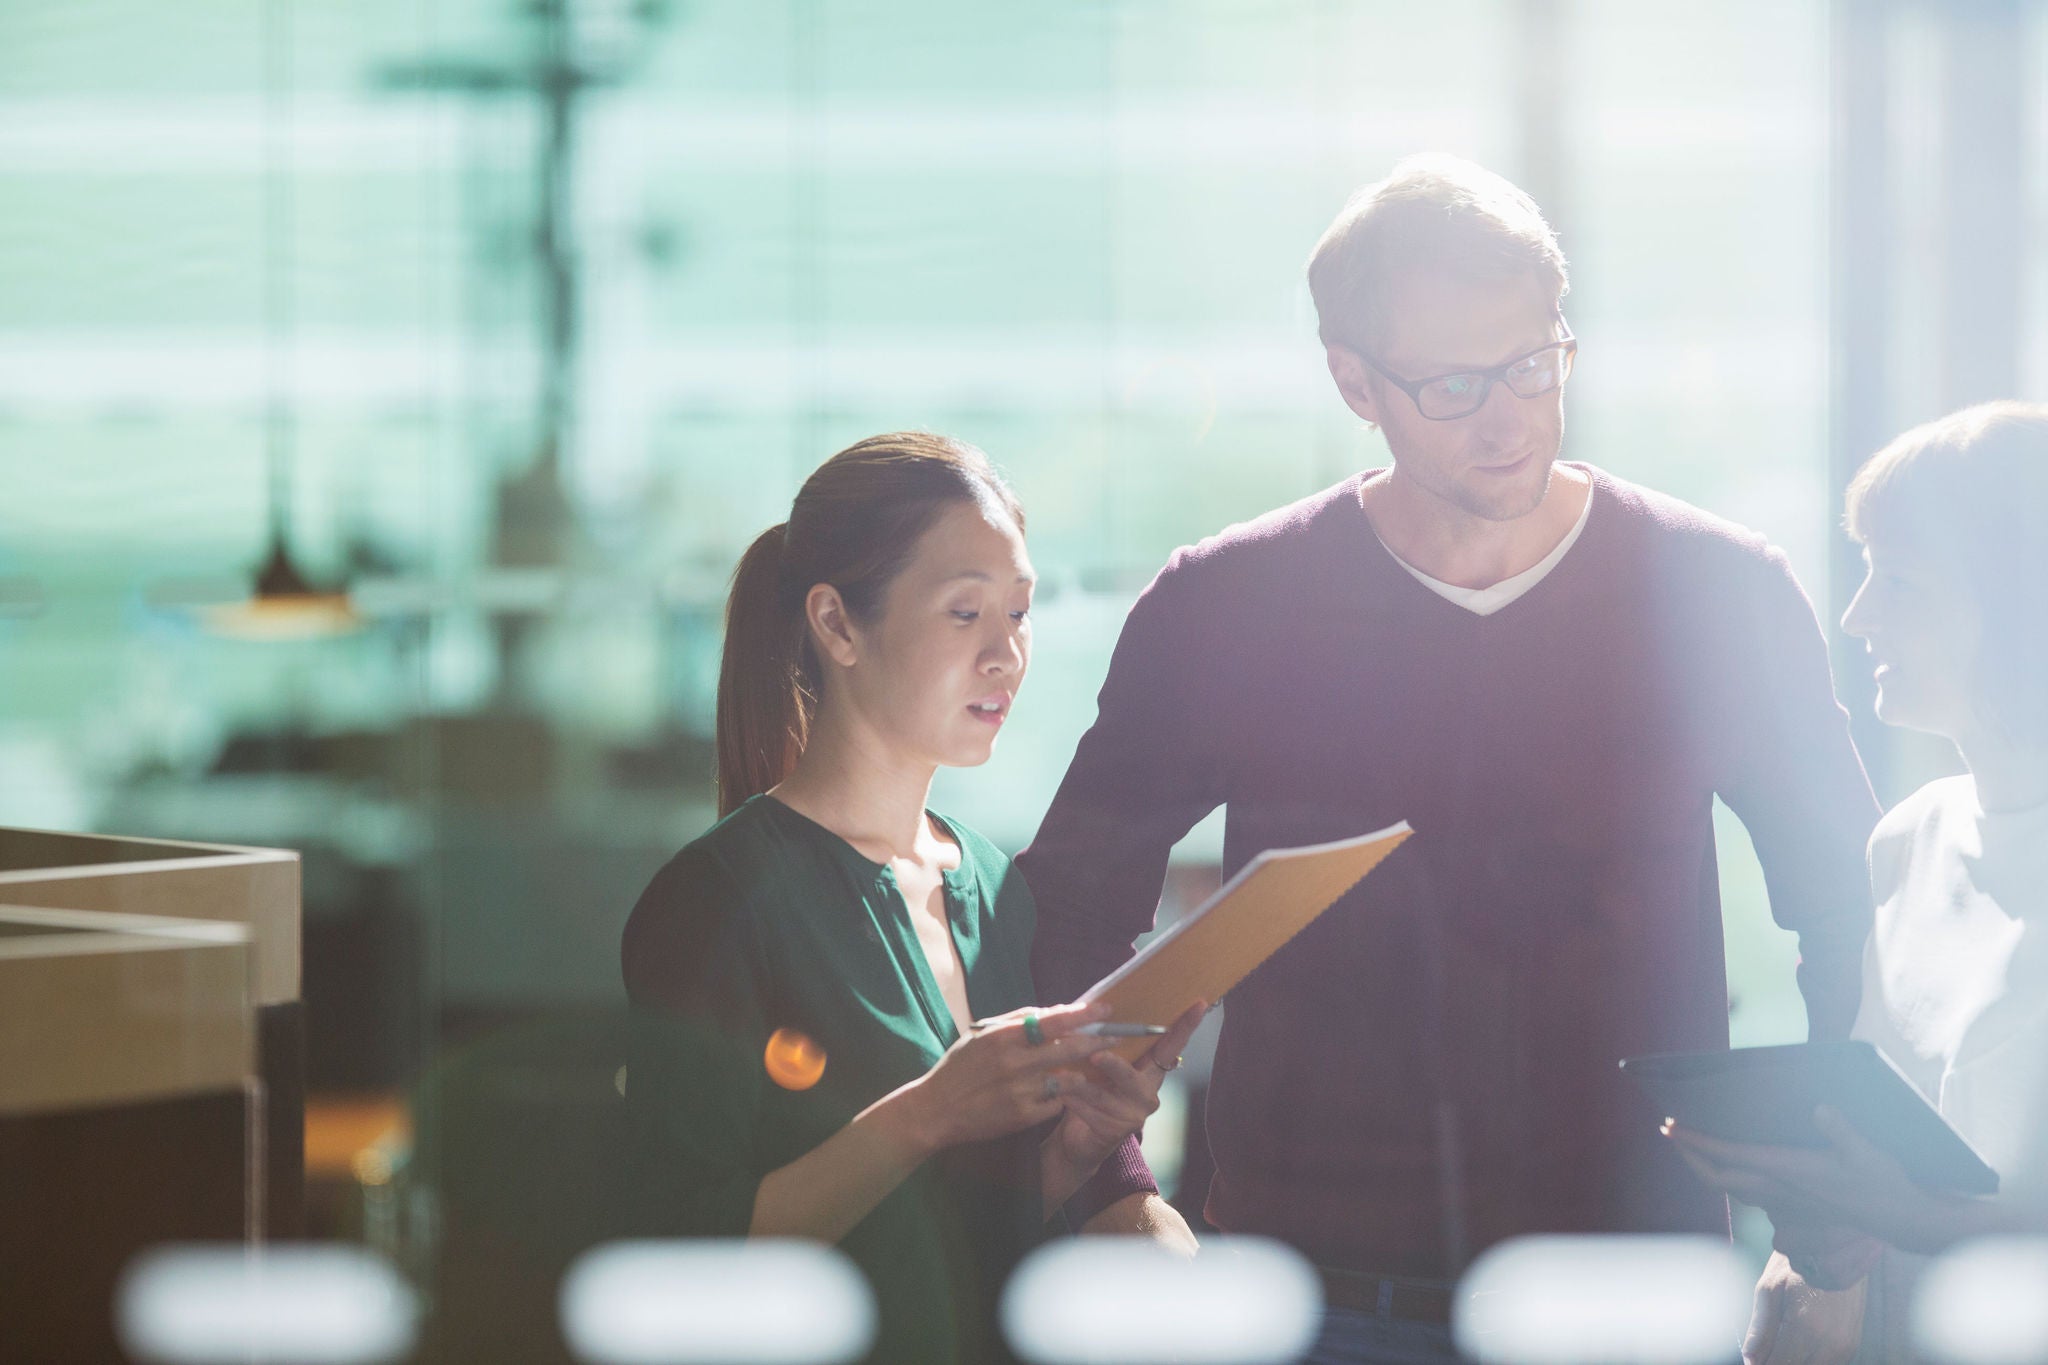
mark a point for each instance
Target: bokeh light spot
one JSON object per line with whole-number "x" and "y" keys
{"x": 794, "y": 1062}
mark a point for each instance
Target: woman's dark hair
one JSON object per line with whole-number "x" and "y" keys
{"x": 855, "y": 525}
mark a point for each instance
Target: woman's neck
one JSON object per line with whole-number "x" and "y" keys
{"x": 852, "y": 782}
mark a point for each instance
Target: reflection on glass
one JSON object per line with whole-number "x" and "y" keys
{"x": 735, "y": 1302}
{"x": 310, "y": 1304}
{"x": 1985, "y": 1303}
{"x": 1594, "y": 1300}
{"x": 1243, "y": 1301}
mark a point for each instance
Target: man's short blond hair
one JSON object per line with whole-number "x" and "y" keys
{"x": 1434, "y": 214}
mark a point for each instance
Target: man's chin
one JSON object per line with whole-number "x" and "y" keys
{"x": 1521, "y": 496}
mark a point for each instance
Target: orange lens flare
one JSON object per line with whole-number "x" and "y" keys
{"x": 794, "y": 1062}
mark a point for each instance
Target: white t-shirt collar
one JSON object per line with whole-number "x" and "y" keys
{"x": 1486, "y": 601}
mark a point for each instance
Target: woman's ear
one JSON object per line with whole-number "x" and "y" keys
{"x": 830, "y": 625}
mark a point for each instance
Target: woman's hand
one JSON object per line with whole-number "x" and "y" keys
{"x": 1111, "y": 1104}
{"x": 995, "y": 1079}
{"x": 1850, "y": 1181}
{"x": 1796, "y": 1324}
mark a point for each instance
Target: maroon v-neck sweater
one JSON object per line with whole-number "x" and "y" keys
{"x": 1430, "y": 1067}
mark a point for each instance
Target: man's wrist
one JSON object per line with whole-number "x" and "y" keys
{"x": 1144, "y": 1214}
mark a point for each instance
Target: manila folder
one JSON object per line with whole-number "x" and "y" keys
{"x": 1216, "y": 945}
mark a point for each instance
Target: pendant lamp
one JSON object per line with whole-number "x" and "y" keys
{"x": 285, "y": 604}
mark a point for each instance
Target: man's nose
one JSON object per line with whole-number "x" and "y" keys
{"x": 1504, "y": 416}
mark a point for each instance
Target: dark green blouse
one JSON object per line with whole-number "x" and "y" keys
{"x": 771, "y": 921}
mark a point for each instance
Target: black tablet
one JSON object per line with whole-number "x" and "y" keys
{"x": 1768, "y": 1095}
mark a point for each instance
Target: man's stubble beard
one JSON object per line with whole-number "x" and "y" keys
{"x": 1509, "y": 504}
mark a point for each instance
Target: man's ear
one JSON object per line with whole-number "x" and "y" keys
{"x": 1354, "y": 381}
{"x": 830, "y": 625}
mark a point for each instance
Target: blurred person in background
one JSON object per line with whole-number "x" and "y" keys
{"x": 1955, "y": 984}
{"x": 1550, "y": 673}
{"x": 837, "y": 1037}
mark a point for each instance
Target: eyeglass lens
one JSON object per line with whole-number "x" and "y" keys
{"x": 1459, "y": 395}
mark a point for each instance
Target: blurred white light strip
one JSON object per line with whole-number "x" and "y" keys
{"x": 757, "y": 137}
{"x": 176, "y": 369}
{"x": 188, "y": 368}
{"x": 1603, "y": 1301}
{"x": 195, "y": 134}
{"x": 308, "y": 1304}
{"x": 1215, "y": 133}
{"x": 752, "y": 137}
{"x": 1786, "y": 132}
{"x": 734, "y": 1302}
{"x": 1125, "y": 1301}
{"x": 956, "y": 366}
{"x": 1985, "y": 1303}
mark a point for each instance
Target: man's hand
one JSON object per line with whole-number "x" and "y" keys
{"x": 1144, "y": 1215}
{"x": 1797, "y": 1324}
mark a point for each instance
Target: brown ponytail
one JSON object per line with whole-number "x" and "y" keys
{"x": 855, "y": 524}
{"x": 762, "y": 715}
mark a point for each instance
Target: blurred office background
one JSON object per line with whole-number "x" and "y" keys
{"x": 513, "y": 320}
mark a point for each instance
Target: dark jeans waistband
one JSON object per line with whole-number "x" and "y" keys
{"x": 1389, "y": 1296}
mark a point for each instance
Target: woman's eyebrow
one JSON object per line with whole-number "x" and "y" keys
{"x": 983, "y": 576}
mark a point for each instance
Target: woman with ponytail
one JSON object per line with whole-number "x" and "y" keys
{"x": 838, "y": 1035}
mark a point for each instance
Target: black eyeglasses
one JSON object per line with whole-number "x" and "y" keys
{"x": 1448, "y": 397}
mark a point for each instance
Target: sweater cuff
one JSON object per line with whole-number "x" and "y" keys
{"x": 1122, "y": 1174}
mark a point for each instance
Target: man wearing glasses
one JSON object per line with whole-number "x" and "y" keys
{"x": 1550, "y": 673}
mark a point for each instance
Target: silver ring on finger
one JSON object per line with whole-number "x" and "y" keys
{"x": 1164, "y": 1068}
{"x": 1050, "y": 1088}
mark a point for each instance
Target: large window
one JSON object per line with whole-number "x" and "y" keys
{"x": 521, "y": 322}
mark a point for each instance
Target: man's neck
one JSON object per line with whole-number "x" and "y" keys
{"x": 1454, "y": 546}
